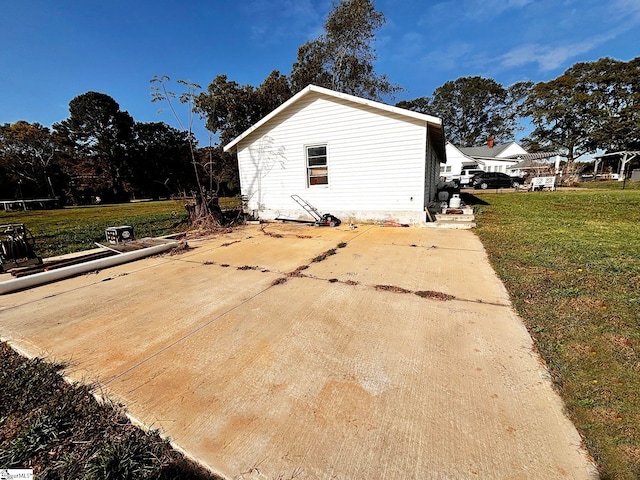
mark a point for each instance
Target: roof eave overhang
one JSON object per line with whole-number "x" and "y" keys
{"x": 428, "y": 119}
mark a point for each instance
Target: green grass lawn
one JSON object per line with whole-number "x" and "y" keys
{"x": 571, "y": 263}
{"x": 609, "y": 185}
{"x": 72, "y": 229}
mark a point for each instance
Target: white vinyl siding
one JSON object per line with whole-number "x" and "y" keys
{"x": 376, "y": 159}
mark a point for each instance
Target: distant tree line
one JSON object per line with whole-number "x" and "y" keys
{"x": 100, "y": 151}
{"x": 592, "y": 106}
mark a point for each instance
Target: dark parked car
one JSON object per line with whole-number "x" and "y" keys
{"x": 486, "y": 180}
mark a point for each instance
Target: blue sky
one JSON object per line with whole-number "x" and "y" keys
{"x": 54, "y": 50}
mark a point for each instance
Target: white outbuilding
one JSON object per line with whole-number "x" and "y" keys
{"x": 357, "y": 159}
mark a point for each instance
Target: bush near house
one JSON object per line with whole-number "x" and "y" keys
{"x": 570, "y": 263}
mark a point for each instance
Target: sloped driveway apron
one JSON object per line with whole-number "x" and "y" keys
{"x": 338, "y": 370}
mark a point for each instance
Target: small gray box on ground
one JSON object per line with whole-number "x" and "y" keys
{"x": 121, "y": 234}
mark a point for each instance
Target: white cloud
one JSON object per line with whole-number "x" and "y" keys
{"x": 489, "y": 9}
{"x": 449, "y": 57}
{"x": 549, "y": 57}
{"x": 272, "y": 20}
{"x": 627, "y": 8}
{"x": 477, "y": 10}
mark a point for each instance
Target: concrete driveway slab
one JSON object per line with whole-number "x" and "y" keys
{"x": 105, "y": 328}
{"x": 259, "y": 374}
{"x": 280, "y": 254}
{"x": 417, "y": 260}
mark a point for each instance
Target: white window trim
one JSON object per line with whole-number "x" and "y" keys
{"x": 307, "y": 167}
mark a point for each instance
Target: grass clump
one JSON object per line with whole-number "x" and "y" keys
{"x": 570, "y": 263}
{"x": 61, "y": 431}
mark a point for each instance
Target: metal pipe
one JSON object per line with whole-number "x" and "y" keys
{"x": 36, "y": 279}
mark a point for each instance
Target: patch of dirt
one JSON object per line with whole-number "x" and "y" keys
{"x": 298, "y": 271}
{"x": 632, "y": 452}
{"x": 230, "y": 243}
{"x": 323, "y": 256}
{"x": 207, "y": 232}
{"x": 434, "y": 295}
{"x": 606, "y": 414}
{"x": 392, "y": 223}
{"x": 271, "y": 234}
{"x": 392, "y": 288}
{"x": 179, "y": 249}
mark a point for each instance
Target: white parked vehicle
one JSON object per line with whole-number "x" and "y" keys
{"x": 465, "y": 175}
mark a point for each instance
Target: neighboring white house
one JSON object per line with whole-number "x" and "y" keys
{"x": 354, "y": 158}
{"x": 490, "y": 158}
{"x": 509, "y": 158}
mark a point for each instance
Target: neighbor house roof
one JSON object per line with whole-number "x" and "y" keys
{"x": 485, "y": 151}
{"x": 434, "y": 124}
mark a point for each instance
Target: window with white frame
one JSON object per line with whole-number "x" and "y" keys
{"x": 317, "y": 172}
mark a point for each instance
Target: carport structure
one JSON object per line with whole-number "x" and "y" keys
{"x": 260, "y": 362}
{"x": 622, "y": 158}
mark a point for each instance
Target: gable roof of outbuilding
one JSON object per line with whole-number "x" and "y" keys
{"x": 434, "y": 124}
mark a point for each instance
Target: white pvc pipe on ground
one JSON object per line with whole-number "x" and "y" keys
{"x": 36, "y": 279}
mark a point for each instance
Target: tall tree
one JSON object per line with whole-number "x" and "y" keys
{"x": 162, "y": 160}
{"x": 562, "y": 119}
{"x": 29, "y": 153}
{"x": 100, "y": 137}
{"x": 612, "y": 89}
{"x": 474, "y": 109}
{"x": 591, "y": 106}
{"x": 205, "y": 210}
{"x": 342, "y": 58}
{"x": 231, "y": 108}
